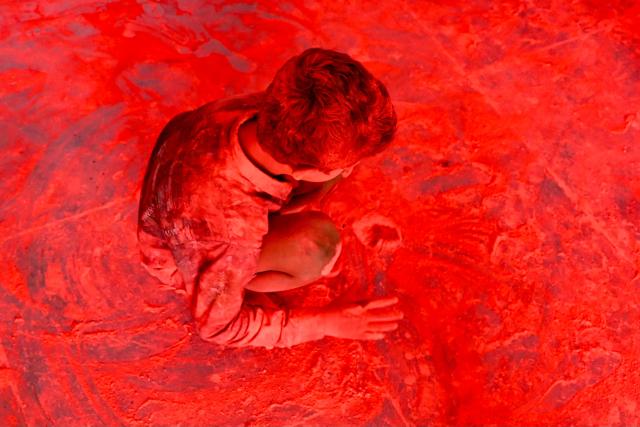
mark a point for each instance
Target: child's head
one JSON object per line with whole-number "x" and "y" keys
{"x": 324, "y": 110}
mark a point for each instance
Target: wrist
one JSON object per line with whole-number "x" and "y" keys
{"x": 311, "y": 321}
{"x": 326, "y": 322}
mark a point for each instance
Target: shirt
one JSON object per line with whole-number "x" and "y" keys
{"x": 203, "y": 213}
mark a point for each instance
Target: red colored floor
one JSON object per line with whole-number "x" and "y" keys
{"x": 506, "y": 215}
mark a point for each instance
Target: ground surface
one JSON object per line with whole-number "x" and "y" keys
{"x": 506, "y": 215}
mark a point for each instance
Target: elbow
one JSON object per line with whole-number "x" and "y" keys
{"x": 213, "y": 335}
{"x": 223, "y": 335}
{"x": 204, "y": 334}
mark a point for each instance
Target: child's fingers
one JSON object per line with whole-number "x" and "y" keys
{"x": 384, "y": 315}
{"x": 373, "y": 336}
{"x": 382, "y": 326}
{"x": 382, "y": 302}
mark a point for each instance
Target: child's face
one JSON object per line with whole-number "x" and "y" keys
{"x": 315, "y": 175}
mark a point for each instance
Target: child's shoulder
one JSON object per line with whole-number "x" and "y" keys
{"x": 233, "y": 103}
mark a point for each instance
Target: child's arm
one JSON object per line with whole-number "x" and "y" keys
{"x": 222, "y": 316}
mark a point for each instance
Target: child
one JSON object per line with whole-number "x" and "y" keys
{"x": 224, "y": 203}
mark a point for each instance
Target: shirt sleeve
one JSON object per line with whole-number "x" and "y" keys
{"x": 223, "y": 317}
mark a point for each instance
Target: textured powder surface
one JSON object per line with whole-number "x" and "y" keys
{"x": 505, "y": 215}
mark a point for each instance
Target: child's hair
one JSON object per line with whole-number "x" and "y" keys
{"x": 324, "y": 110}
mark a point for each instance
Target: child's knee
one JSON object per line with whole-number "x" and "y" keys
{"x": 322, "y": 248}
{"x": 327, "y": 270}
{"x": 301, "y": 244}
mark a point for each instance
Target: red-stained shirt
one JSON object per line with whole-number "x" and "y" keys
{"x": 203, "y": 213}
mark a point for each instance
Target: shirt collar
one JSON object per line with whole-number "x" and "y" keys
{"x": 255, "y": 175}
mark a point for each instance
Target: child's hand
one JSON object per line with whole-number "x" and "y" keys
{"x": 362, "y": 322}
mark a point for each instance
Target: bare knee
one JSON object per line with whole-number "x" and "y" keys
{"x": 325, "y": 235}
{"x": 318, "y": 246}
{"x": 300, "y": 244}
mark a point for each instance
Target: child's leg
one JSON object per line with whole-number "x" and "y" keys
{"x": 299, "y": 249}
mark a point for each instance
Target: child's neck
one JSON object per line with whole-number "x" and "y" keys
{"x": 248, "y": 138}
